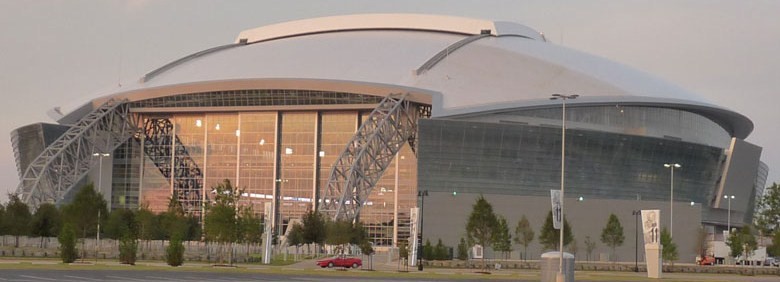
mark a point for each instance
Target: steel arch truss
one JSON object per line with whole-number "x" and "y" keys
{"x": 370, "y": 151}
{"x": 173, "y": 160}
{"x": 67, "y": 160}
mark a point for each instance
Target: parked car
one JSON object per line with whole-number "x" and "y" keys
{"x": 707, "y": 260}
{"x": 340, "y": 261}
{"x": 771, "y": 262}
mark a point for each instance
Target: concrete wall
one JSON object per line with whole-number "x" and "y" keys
{"x": 445, "y": 217}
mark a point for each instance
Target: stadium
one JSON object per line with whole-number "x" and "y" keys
{"x": 354, "y": 115}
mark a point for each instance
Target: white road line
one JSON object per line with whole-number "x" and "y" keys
{"x": 38, "y": 278}
{"x": 162, "y": 278}
{"x": 82, "y": 278}
{"x": 125, "y": 278}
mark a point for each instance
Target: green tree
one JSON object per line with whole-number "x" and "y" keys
{"x": 46, "y": 221}
{"x": 148, "y": 225}
{"x": 767, "y": 217}
{"x": 368, "y": 249}
{"x": 2, "y": 215}
{"x": 121, "y": 222}
{"x": 748, "y": 241}
{"x": 17, "y": 217}
{"x": 403, "y": 250}
{"x": 440, "y": 251}
{"x": 774, "y": 249}
{"x": 250, "y": 226}
{"x": 549, "y": 237}
{"x": 338, "y": 233}
{"x": 221, "y": 221}
{"x": 524, "y": 235}
{"x": 295, "y": 236}
{"x": 173, "y": 220}
{"x": 590, "y": 246}
{"x": 67, "y": 239}
{"x": 612, "y": 234}
{"x": 427, "y": 251}
{"x": 463, "y": 249}
{"x": 481, "y": 225}
{"x": 502, "y": 241}
{"x": 174, "y": 253}
{"x": 83, "y": 211}
{"x": 313, "y": 229}
{"x": 669, "y": 252}
{"x": 128, "y": 247}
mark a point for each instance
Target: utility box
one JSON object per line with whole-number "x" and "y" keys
{"x": 549, "y": 266}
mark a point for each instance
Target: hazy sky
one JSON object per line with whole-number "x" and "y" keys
{"x": 56, "y": 53}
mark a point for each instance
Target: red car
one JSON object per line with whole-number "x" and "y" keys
{"x": 340, "y": 262}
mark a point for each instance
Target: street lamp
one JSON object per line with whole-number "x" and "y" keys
{"x": 728, "y": 223}
{"x": 563, "y": 99}
{"x": 422, "y": 195}
{"x": 636, "y": 214}
{"x": 100, "y": 168}
{"x": 671, "y": 167}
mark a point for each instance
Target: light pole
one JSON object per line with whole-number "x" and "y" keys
{"x": 728, "y": 223}
{"x": 671, "y": 167}
{"x": 422, "y": 195}
{"x": 100, "y": 169}
{"x": 636, "y": 214}
{"x": 563, "y": 99}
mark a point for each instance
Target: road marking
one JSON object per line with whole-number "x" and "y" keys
{"x": 125, "y": 278}
{"x": 37, "y": 278}
{"x": 82, "y": 278}
{"x": 162, "y": 278}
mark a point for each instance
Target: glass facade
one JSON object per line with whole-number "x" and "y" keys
{"x": 270, "y": 153}
{"x": 633, "y": 120}
{"x": 516, "y": 159}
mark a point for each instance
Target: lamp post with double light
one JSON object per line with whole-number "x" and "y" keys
{"x": 728, "y": 222}
{"x": 563, "y": 99}
{"x": 671, "y": 167}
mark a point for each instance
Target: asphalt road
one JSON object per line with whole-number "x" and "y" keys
{"x": 168, "y": 276}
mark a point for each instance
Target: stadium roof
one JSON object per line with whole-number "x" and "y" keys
{"x": 459, "y": 65}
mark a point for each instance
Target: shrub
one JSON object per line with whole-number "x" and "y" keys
{"x": 67, "y": 239}
{"x": 174, "y": 253}
{"x": 128, "y": 247}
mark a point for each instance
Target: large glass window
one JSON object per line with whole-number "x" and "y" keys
{"x": 296, "y": 163}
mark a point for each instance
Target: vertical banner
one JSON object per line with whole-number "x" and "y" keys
{"x": 267, "y": 230}
{"x": 414, "y": 217}
{"x": 651, "y": 227}
{"x": 651, "y": 230}
{"x": 555, "y": 200}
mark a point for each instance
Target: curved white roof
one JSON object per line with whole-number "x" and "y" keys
{"x": 468, "y": 70}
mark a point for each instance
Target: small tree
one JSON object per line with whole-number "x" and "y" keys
{"x": 463, "y": 249}
{"x": 221, "y": 221}
{"x": 46, "y": 221}
{"x": 250, "y": 226}
{"x": 481, "y": 225}
{"x": 83, "y": 211}
{"x": 367, "y": 249}
{"x": 669, "y": 252}
{"x": 174, "y": 253}
{"x": 767, "y": 217}
{"x": 295, "y": 236}
{"x": 338, "y": 233}
{"x": 524, "y": 235}
{"x": 427, "y": 251}
{"x": 549, "y": 237}
{"x": 502, "y": 241}
{"x": 440, "y": 251}
{"x": 572, "y": 248}
{"x": 702, "y": 245}
{"x": 590, "y": 246}
{"x": 128, "y": 248}
{"x": 748, "y": 240}
{"x": 403, "y": 250}
{"x": 774, "y": 249}
{"x": 612, "y": 234}
{"x": 313, "y": 229}
{"x": 17, "y": 217}
{"x": 67, "y": 239}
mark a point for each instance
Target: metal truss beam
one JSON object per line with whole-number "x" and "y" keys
{"x": 171, "y": 157}
{"x": 68, "y": 159}
{"x": 370, "y": 151}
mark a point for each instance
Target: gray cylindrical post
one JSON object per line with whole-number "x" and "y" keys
{"x": 549, "y": 266}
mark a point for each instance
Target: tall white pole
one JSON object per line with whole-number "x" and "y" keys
{"x": 671, "y": 205}
{"x": 560, "y": 276}
{"x": 563, "y": 198}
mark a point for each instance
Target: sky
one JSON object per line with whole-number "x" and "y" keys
{"x": 57, "y": 53}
